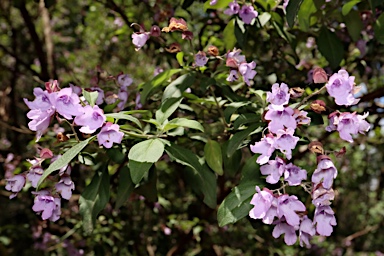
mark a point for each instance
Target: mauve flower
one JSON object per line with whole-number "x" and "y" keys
{"x": 15, "y": 184}
{"x": 279, "y": 96}
{"x": 325, "y": 172}
{"x": 319, "y": 76}
{"x": 124, "y": 80}
{"x": 280, "y": 119}
{"x": 289, "y": 206}
{"x": 282, "y": 227}
{"x": 201, "y": 59}
{"x": 265, "y": 147}
{"x": 52, "y": 86}
{"x": 43, "y": 101}
{"x": 262, "y": 201}
{"x": 294, "y": 175}
{"x": 285, "y": 142}
{"x": 123, "y": 97}
{"x": 246, "y": 70}
{"x": 324, "y": 219}
{"x": 40, "y": 120}
{"x": 340, "y": 86}
{"x": 301, "y": 117}
{"x": 271, "y": 213}
{"x": 322, "y": 196}
{"x": 109, "y": 134}
{"x": 65, "y": 187}
{"x": 274, "y": 169}
{"x": 247, "y": 13}
{"x": 234, "y": 58}
{"x": 233, "y": 76}
{"x": 139, "y": 40}
{"x": 67, "y": 103}
{"x": 47, "y": 205}
{"x": 306, "y": 231}
{"x": 234, "y": 8}
{"x": 91, "y": 119}
{"x": 100, "y": 94}
{"x": 34, "y": 174}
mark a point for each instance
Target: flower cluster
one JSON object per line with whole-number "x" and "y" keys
{"x": 286, "y": 211}
{"x": 246, "y": 12}
{"x": 238, "y": 64}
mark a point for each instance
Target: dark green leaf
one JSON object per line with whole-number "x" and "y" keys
{"x": 149, "y": 189}
{"x": 94, "y": 198}
{"x": 237, "y": 204}
{"x": 238, "y": 138}
{"x": 292, "y": 10}
{"x": 116, "y": 155}
{"x": 183, "y": 122}
{"x": 231, "y": 108}
{"x": 177, "y": 87}
{"x": 187, "y": 3}
{"x": 122, "y": 115}
{"x": 138, "y": 170}
{"x": 307, "y": 8}
{"x": 207, "y": 178}
{"x": 167, "y": 108}
{"x": 65, "y": 159}
{"x": 379, "y": 29}
{"x": 229, "y": 37}
{"x": 125, "y": 188}
{"x": 231, "y": 164}
{"x": 348, "y": 6}
{"x": 246, "y": 119}
{"x": 354, "y": 24}
{"x": 213, "y": 156}
{"x": 330, "y": 47}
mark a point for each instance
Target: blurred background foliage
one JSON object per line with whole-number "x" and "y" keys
{"x": 88, "y": 43}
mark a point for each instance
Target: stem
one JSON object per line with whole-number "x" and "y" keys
{"x": 143, "y": 136}
{"x": 310, "y": 96}
{"x": 219, "y": 109}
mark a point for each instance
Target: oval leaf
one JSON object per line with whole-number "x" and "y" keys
{"x": 330, "y": 47}
{"x": 148, "y": 151}
{"x": 213, "y": 156}
{"x": 183, "y": 122}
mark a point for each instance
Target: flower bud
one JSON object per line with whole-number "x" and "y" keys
{"x": 316, "y": 147}
{"x": 46, "y": 153}
{"x": 52, "y": 86}
{"x": 173, "y": 48}
{"x": 318, "y": 106}
{"x": 187, "y": 35}
{"x": 61, "y": 137}
{"x": 155, "y": 31}
{"x": 176, "y": 24}
{"x": 319, "y": 76}
{"x": 296, "y": 92}
{"x": 213, "y": 50}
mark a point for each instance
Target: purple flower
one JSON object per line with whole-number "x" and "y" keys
{"x": 324, "y": 219}
{"x": 247, "y": 13}
{"x": 301, "y": 117}
{"x": 47, "y": 205}
{"x": 138, "y": 104}
{"x": 139, "y": 40}
{"x": 265, "y": 147}
{"x": 288, "y": 206}
{"x": 15, "y": 184}
{"x": 282, "y": 227}
{"x": 124, "y": 80}
{"x": 294, "y": 175}
{"x": 280, "y": 119}
{"x": 213, "y": 2}
{"x": 306, "y": 231}
{"x": 201, "y": 59}
{"x": 123, "y": 97}
{"x": 100, "y": 95}
{"x": 234, "y": 8}
{"x": 340, "y": 86}
{"x": 67, "y": 103}
{"x": 271, "y": 213}
{"x": 325, "y": 172}
{"x": 322, "y": 196}
{"x": 65, "y": 187}
{"x": 40, "y": 120}
{"x": 285, "y": 142}
{"x": 234, "y": 59}
{"x": 347, "y": 124}
{"x": 274, "y": 169}
{"x": 233, "y": 76}
{"x": 246, "y": 70}
{"x": 279, "y": 96}
{"x": 262, "y": 201}
{"x": 43, "y": 100}
{"x": 91, "y": 119}
{"x": 34, "y": 175}
{"x": 109, "y": 134}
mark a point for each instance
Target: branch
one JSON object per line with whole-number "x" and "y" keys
{"x": 111, "y": 4}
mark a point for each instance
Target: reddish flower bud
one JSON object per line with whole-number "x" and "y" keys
{"x": 213, "y": 50}
{"x": 296, "y": 92}
{"x": 46, "y": 153}
{"x": 52, "y": 86}
{"x": 231, "y": 62}
{"x": 155, "y": 31}
{"x": 318, "y": 106}
{"x": 341, "y": 152}
{"x": 61, "y": 137}
{"x": 316, "y": 147}
{"x": 319, "y": 76}
{"x": 187, "y": 35}
{"x": 173, "y": 48}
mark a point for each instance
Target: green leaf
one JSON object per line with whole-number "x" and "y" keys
{"x": 180, "y": 58}
{"x": 94, "y": 198}
{"x": 237, "y": 204}
{"x": 213, "y": 156}
{"x": 149, "y": 189}
{"x": 138, "y": 170}
{"x": 201, "y": 172}
{"x": 251, "y": 171}
{"x": 354, "y": 24}
{"x": 90, "y": 97}
{"x": 65, "y": 159}
{"x": 183, "y": 122}
{"x": 220, "y": 4}
{"x": 229, "y": 37}
{"x": 348, "y": 6}
{"x": 238, "y": 138}
{"x": 122, "y": 115}
{"x": 264, "y": 18}
{"x": 330, "y": 47}
{"x": 148, "y": 151}
{"x": 167, "y": 109}
{"x": 379, "y": 29}
{"x": 231, "y": 164}
{"x": 177, "y": 87}
{"x": 292, "y": 10}
{"x": 155, "y": 82}
{"x": 125, "y": 188}
{"x": 246, "y": 119}
{"x": 231, "y": 108}
{"x": 307, "y": 8}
